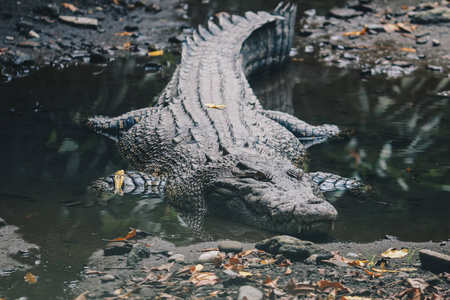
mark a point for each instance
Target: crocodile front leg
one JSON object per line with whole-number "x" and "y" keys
{"x": 122, "y": 122}
{"x": 301, "y": 129}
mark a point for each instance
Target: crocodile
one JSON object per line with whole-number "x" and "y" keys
{"x": 209, "y": 146}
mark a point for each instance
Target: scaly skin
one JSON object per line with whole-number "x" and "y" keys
{"x": 239, "y": 162}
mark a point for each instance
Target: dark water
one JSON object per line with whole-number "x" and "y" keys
{"x": 400, "y": 146}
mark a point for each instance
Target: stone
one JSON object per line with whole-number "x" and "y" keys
{"x": 24, "y": 26}
{"x": 48, "y": 9}
{"x": 207, "y": 257}
{"x": 436, "y": 15}
{"x": 2, "y": 222}
{"x": 435, "y": 42}
{"x": 344, "y": 13}
{"x": 434, "y": 261}
{"x": 249, "y": 293}
{"x": 178, "y": 258}
{"x": 292, "y": 248}
{"x": 117, "y": 248}
{"x": 131, "y": 28}
{"x": 230, "y": 246}
{"x": 435, "y": 68}
{"x": 97, "y": 58}
{"x": 153, "y": 8}
{"x": 107, "y": 278}
{"x": 137, "y": 253}
{"x": 421, "y": 41}
{"x": 402, "y": 64}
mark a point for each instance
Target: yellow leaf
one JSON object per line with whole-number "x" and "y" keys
{"x": 126, "y": 45}
{"x": 118, "y": 181}
{"x": 390, "y": 27}
{"x": 30, "y": 278}
{"x": 155, "y": 53}
{"x": 336, "y": 285}
{"x": 287, "y": 272}
{"x": 394, "y": 253}
{"x": 130, "y": 234}
{"x": 115, "y": 2}
{"x": 408, "y": 49}
{"x": 355, "y": 33}
{"x": 210, "y": 105}
{"x": 245, "y": 274}
{"x": 125, "y": 33}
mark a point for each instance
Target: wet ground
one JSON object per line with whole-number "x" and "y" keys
{"x": 399, "y": 146}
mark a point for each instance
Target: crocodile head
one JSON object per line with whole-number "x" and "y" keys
{"x": 273, "y": 195}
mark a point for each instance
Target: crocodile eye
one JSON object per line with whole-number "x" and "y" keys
{"x": 295, "y": 173}
{"x": 242, "y": 170}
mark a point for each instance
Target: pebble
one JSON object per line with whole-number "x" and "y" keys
{"x": 435, "y": 42}
{"x": 435, "y": 68}
{"x": 421, "y": 41}
{"x": 137, "y": 253}
{"x": 402, "y": 64}
{"x": 2, "y": 222}
{"x": 230, "y": 246}
{"x": 178, "y": 258}
{"x": 351, "y": 254}
{"x": 107, "y": 277}
{"x": 344, "y": 13}
{"x": 28, "y": 44}
{"x": 207, "y": 257}
{"x": 249, "y": 293}
{"x": 153, "y": 8}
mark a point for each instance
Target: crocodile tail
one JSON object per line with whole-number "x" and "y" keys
{"x": 268, "y": 47}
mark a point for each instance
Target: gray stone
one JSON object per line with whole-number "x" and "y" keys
{"x": 292, "y": 248}
{"x": 2, "y": 222}
{"x": 435, "y": 68}
{"x": 249, "y": 293}
{"x": 207, "y": 257}
{"x": 178, "y": 258}
{"x": 435, "y": 42}
{"x": 434, "y": 261}
{"x": 344, "y": 13}
{"x": 402, "y": 64}
{"x": 117, "y": 248}
{"x": 230, "y": 246}
{"x": 107, "y": 277}
{"x": 137, "y": 253}
{"x": 436, "y": 15}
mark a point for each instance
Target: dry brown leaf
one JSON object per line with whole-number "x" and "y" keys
{"x": 408, "y": 49}
{"x": 115, "y": 2}
{"x": 268, "y": 261}
{"x": 390, "y": 28}
{"x": 394, "y": 253}
{"x": 322, "y": 284}
{"x": 210, "y": 105}
{"x": 234, "y": 260}
{"x": 300, "y": 288}
{"x": 196, "y": 269}
{"x": 355, "y": 33}
{"x": 219, "y": 259}
{"x": 412, "y": 293}
{"x": 30, "y": 278}
{"x": 245, "y": 274}
{"x": 163, "y": 267}
{"x": 285, "y": 263}
{"x": 210, "y": 249}
{"x": 372, "y": 274}
{"x": 246, "y": 252}
{"x": 287, "y": 272}
{"x": 126, "y": 45}
{"x": 204, "y": 278}
{"x": 270, "y": 282}
{"x": 130, "y": 234}
{"x": 354, "y": 298}
{"x": 417, "y": 283}
{"x": 407, "y": 28}
{"x": 69, "y": 6}
{"x": 82, "y": 296}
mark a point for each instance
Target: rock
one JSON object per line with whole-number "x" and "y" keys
{"x": 421, "y": 41}
{"x": 435, "y": 42}
{"x": 375, "y": 27}
{"x": 131, "y": 28}
{"x": 249, "y": 293}
{"x": 80, "y": 21}
{"x": 97, "y": 58}
{"x": 178, "y": 258}
{"x": 344, "y": 13}
{"x": 153, "y": 8}
{"x": 230, "y": 246}
{"x": 436, "y": 15}
{"x": 107, "y": 278}
{"x": 435, "y": 68}
{"x": 434, "y": 261}
{"x": 48, "y": 9}
{"x": 28, "y": 44}
{"x": 292, "y": 248}
{"x": 2, "y": 222}
{"x": 207, "y": 257}
{"x": 402, "y": 64}
{"x": 178, "y": 39}
{"x": 24, "y": 26}
{"x": 117, "y": 248}
{"x": 152, "y": 67}
{"x": 137, "y": 253}
{"x": 388, "y": 237}
{"x": 349, "y": 56}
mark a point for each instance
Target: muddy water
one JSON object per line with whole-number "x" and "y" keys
{"x": 399, "y": 146}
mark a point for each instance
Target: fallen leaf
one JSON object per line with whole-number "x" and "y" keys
{"x": 268, "y": 261}
{"x": 155, "y": 53}
{"x": 218, "y": 260}
{"x": 322, "y": 284}
{"x": 234, "y": 260}
{"x": 210, "y": 249}
{"x": 119, "y": 176}
{"x": 394, "y": 253}
{"x": 407, "y": 28}
{"x": 33, "y": 214}
{"x": 372, "y": 274}
{"x": 354, "y": 298}
{"x": 287, "y": 272}
{"x": 125, "y": 33}
{"x": 205, "y": 278}
{"x": 130, "y": 234}
{"x": 412, "y": 293}
{"x": 300, "y": 288}
{"x": 214, "y": 294}
{"x": 163, "y": 267}
{"x": 390, "y": 28}
{"x": 285, "y": 263}
{"x": 82, "y": 296}
{"x": 246, "y": 252}
{"x": 69, "y": 6}
{"x": 408, "y": 49}
{"x": 79, "y": 20}
{"x": 245, "y": 274}
{"x": 354, "y": 33}
{"x": 196, "y": 269}
{"x": 270, "y": 282}
{"x": 30, "y": 278}
{"x": 210, "y": 105}
{"x": 126, "y": 45}
{"x": 417, "y": 283}
{"x": 115, "y": 2}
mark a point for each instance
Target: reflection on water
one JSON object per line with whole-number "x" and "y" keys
{"x": 400, "y": 146}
